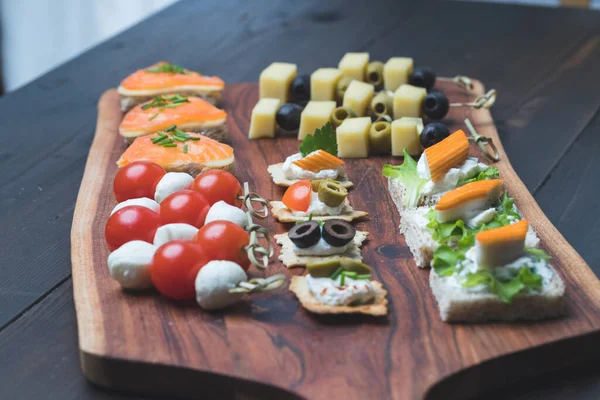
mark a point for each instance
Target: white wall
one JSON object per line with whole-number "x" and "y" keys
{"x": 39, "y": 35}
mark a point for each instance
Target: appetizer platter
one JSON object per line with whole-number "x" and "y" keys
{"x": 234, "y": 237}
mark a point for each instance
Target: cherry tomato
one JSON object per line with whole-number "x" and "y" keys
{"x": 217, "y": 185}
{"x": 185, "y": 206}
{"x": 298, "y": 196}
{"x": 131, "y": 223}
{"x": 175, "y": 266}
{"x": 224, "y": 240}
{"x": 138, "y": 179}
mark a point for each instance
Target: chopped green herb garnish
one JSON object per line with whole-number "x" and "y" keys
{"x": 193, "y": 138}
{"x": 153, "y": 116}
{"x": 323, "y": 139}
{"x": 363, "y": 276}
{"x": 169, "y": 145}
{"x": 167, "y": 141}
{"x": 185, "y": 148}
{"x": 350, "y": 274}
{"x": 171, "y": 128}
{"x": 179, "y": 139}
{"x": 159, "y": 138}
{"x": 342, "y": 279}
{"x": 337, "y": 273}
{"x": 167, "y": 67}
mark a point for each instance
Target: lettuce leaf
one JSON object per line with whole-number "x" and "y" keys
{"x": 408, "y": 176}
{"x": 323, "y": 139}
{"x": 538, "y": 253}
{"x": 456, "y": 232}
{"x": 525, "y": 278}
{"x": 445, "y": 260}
{"x": 488, "y": 173}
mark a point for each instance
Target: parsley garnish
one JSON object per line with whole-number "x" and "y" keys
{"x": 323, "y": 139}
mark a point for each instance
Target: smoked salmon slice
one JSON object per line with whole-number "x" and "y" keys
{"x": 162, "y": 78}
{"x": 193, "y": 156}
{"x": 187, "y": 112}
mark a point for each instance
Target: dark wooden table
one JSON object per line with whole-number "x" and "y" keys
{"x": 544, "y": 63}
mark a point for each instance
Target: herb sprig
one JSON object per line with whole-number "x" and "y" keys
{"x": 167, "y": 67}
{"x": 172, "y": 134}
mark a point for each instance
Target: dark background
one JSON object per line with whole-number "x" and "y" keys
{"x": 544, "y": 63}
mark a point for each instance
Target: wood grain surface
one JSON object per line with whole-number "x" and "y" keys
{"x": 545, "y": 70}
{"x": 127, "y": 338}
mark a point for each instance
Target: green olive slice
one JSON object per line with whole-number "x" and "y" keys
{"x": 322, "y": 269}
{"x": 339, "y": 115}
{"x": 382, "y": 104}
{"x": 342, "y": 85}
{"x": 374, "y": 73}
{"x": 317, "y": 182}
{"x": 351, "y": 265}
{"x": 380, "y": 137}
{"x": 332, "y": 193}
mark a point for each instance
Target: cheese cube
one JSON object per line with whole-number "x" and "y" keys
{"x": 396, "y": 72}
{"x": 323, "y": 82}
{"x": 354, "y": 65}
{"x": 405, "y": 134}
{"x": 408, "y": 101}
{"x": 275, "y": 81}
{"x": 262, "y": 122}
{"x": 314, "y": 116}
{"x": 353, "y": 137}
{"x": 358, "y": 96}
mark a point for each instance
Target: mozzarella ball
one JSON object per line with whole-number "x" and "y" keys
{"x": 169, "y": 232}
{"x": 221, "y": 211}
{"x": 141, "y": 201}
{"x": 214, "y": 281}
{"x": 130, "y": 264}
{"x": 170, "y": 183}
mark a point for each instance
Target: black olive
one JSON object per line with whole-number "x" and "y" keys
{"x": 305, "y": 234}
{"x": 422, "y": 77}
{"x": 436, "y": 105}
{"x": 434, "y": 132}
{"x": 300, "y": 89}
{"x": 337, "y": 232}
{"x": 288, "y": 116}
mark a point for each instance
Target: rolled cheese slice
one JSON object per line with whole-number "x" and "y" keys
{"x": 469, "y": 200}
{"x": 501, "y": 246}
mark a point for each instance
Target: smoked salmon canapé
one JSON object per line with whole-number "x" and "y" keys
{"x": 188, "y": 113}
{"x": 165, "y": 78}
{"x": 178, "y": 151}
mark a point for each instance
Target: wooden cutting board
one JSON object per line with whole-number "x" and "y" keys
{"x": 270, "y": 346}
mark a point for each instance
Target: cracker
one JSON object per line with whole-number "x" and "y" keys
{"x": 276, "y": 171}
{"x": 378, "y": 307}
{"x": 290, "y": 259}
{"x": 284, "y": 214}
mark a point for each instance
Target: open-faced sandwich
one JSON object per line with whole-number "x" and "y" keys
{"x": 190, "y": 114}
{"x": 317, "y": 159}
{"x": 497, "y": 278}
{"x": 312, "y": 241}
{"x": 323, "y": 199}
{"x": 442, "y": 167}
{"x": 164, "y": 78}
{"x": 178, "y": 151}
{"x": 340, "y": 286}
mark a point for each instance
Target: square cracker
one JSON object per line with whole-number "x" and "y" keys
{"x": 284, "y": 214}
{"x": 276, "y": 171}
{"x": 290, "y": 259}
{"x": 378, "y": 307}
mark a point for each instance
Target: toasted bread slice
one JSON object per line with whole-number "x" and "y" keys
{"x": 284, "y": 214}
{"x": 377, "y": 307}
{"x": 276, "y": 171}
{"x": 290, "y": 259}
{"x": 459, "y": 305}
